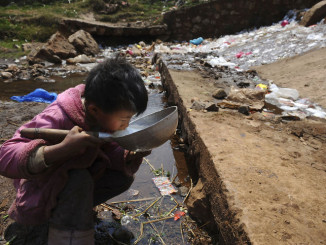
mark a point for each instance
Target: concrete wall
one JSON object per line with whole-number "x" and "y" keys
{"x": 221, "y": 17}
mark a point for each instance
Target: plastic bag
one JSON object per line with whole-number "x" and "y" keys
{"x": 38, "y": 95}
{"x": 197, "y": 41}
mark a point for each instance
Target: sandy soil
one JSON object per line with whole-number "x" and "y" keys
{"x": 264, "y": 178}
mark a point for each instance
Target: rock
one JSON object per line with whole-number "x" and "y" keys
{"x": 44, "y": 79}
{"x": 212, "y": 107}
{"x": 31, "y": 46}
{"x": 16, "y": 46}
{"x": 110, "y": 8}
{"x": 315, "y": 14}
{"x": 197, "y": 204}
{"x": 123, "y": 235}
{"x": 244, "y": 110}
{"x": 84, "y": 43}
{"x": 6, "y": 75}
{"x": 80, "y": 59}
{"x": 57, "y": 48}
{"x": 219, "y": 94}
{"x": 196, "y": 105}
{"x": 12, "y": 68}
{"x": 183, "y": 191}
{"x": 24, "y": 75}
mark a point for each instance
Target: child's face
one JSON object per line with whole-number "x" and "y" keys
{"x": 111, "y": 122}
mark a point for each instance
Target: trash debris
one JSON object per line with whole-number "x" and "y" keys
{"x": 132, "y": 192}
{"x": 284, "y": 23}
{"x": 246, "y": 97}
{"x": 164, "y": 185}
{"x": 178, "y": 214}
{"x": 38, "y": 95}
{"x": 197, "y": 41}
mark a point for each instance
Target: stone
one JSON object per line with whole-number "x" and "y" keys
{"x": 198, "y": 106}
{"x": 44, "y": 79}
{"x": 12, "y": 68}
{"x": 183, "y": 191}
{"x": 31, "y": 46}
{"x": 244, "y": 110}
{"x": 219, "y": 94}
{"x": 6, "y": 75}
{"x": 123, "y": 235}
{"x": 212, "y": 107}
{"x": 197, "y": 203}
{"x": 24, "y": 75}
{"x": 315, "y": 14}
{"x": 57, "y": 48}
{"x": 84, "y": 43}
{"x": 80, "y": 59}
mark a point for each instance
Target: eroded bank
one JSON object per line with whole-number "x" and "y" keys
{"x": 255, "y": 178}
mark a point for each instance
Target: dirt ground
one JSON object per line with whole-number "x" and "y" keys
{"x": 264, "y": 178}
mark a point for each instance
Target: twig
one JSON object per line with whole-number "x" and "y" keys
{"x": 190, "y": 229}
{"x": 148, "y": 222}
{"x": 135, "y": 200}
{"x": 147, "y": 207}
{"x": 150, "y": 165}
{"x": 183, "y": 240}
{"x": 158, "y": 234}
{"x": 191, "y": 186}
{"x": 106, "y": 206}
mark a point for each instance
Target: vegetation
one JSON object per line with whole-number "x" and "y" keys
{"x": 37, "y": 20}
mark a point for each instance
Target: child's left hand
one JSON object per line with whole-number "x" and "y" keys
{"x": 132, "y": 155}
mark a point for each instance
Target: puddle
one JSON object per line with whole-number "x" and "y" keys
{"x": 22, "y": 87}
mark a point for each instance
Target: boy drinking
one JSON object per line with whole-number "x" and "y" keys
{"x": 59, "y": 183}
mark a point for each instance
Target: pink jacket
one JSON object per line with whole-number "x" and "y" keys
{"x": 36, "y": 194}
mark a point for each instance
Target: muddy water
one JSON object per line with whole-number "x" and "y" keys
{"x": 21, "y": 87}
{"x": 163, "y": 157}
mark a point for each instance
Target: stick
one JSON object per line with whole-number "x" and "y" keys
{"x": 183, "y": 240}
{"x": 151, "y": 166}
{"x": 158, "y": 234}
{"x": 147, "y": 207}
{"x": 135, "y": 200}
{"x": 191, "y": 186}
{"x": 148, "y": 222}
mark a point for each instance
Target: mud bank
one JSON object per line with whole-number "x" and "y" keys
{"x": 256, "y": 180}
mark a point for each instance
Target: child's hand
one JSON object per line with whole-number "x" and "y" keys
{"x": 78, "y": 140}
{"x": 132, "y": 155}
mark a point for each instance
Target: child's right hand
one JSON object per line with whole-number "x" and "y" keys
{"x": 78, "y": 140}
{"x": 75, "y": 143}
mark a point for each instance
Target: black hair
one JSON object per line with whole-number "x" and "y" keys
{"x": 114, "y": 84}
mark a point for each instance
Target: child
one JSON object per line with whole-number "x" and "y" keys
{"x": 60, "y": 183}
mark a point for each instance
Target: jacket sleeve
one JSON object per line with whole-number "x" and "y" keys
{"x": 117, "y": 159}
{"x": 14, "y": 153}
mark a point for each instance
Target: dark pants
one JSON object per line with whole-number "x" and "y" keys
{"x": 74, "y": 210}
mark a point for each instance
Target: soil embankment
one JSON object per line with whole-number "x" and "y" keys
{"x": 263, "y": 178}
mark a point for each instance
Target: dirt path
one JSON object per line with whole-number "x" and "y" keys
{"x": 264, "y": 179}
{"x": 306, "y": 73}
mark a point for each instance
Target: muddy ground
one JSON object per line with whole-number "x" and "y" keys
{"x": 264, "y": 178}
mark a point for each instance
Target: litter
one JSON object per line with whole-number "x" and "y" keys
{"x": 197, "y": 41}
{"x": 38, "y": 95}
{"x": 164, "y": 185}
